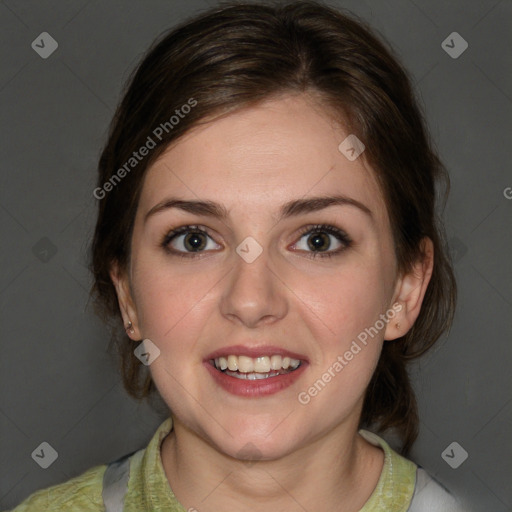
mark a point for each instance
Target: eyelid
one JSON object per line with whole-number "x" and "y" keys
{"x": 343, "y": 238}
{"x": 180, "y": 230}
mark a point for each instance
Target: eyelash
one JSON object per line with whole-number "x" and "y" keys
{"x": 323, "y": 228}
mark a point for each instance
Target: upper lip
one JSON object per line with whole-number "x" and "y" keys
{"x": 258, "y": 351}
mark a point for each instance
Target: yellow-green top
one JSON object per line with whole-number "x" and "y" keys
{"x": 149, "y": 490}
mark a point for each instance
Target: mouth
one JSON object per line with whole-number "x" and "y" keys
{"x": 253, "y": 371}
{"x": 255, "y": 368}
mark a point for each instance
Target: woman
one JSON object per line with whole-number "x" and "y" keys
{"x": 268, "y": 235}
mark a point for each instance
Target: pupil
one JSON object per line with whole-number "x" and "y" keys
{"x": 316, "y": 241}
{"x": 193, "y": 241}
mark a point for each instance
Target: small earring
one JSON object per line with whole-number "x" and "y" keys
{"x": 130, "y": 328}
{"x": 398, "y": 325}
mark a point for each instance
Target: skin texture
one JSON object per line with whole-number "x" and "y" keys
{"x": 252, "y": 162}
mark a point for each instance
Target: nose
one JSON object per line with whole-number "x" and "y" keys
{"x": 254, "y": 294}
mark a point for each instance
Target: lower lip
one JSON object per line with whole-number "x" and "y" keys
{"x": 254, "y": 388}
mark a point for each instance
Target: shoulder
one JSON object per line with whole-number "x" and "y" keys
{"x": 430, "y": 496}
{"x": 407, "y": 487}
{"x": 82, "y": 493}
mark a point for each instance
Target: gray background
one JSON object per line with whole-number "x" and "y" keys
{"x": 58, "y": 383}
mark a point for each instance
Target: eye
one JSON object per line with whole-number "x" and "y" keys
{"x": 318, "y": 239}
{"x": 187, "y": 239}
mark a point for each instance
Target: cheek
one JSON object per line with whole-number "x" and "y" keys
{"x": 173, "y": 308}
{"x": 170, "y": 302}
{"x": 342, "y": 303}
{"x": 346, "y": 342}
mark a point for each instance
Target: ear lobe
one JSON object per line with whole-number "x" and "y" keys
{"x": 410, "y": 291}
{"x": 125, "y": 300}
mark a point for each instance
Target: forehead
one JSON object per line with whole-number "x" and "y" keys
{"x": 261, "y": 157}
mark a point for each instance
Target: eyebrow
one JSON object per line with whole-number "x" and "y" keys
{"x": 289, "y": 209}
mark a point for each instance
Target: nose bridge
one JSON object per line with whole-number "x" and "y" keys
{"x": 253, "y": 293}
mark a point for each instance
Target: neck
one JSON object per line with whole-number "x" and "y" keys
{"x": 337, "y": 471}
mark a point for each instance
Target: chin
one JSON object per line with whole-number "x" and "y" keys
{"x": 253, "y": 451}
{"x": 255, "y": 444}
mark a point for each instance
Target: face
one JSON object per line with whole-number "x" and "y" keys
{"x": 304, "y": 282}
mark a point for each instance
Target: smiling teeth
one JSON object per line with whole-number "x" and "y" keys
{"x": 255, "y": 376}
{"x": 255, "y": 365}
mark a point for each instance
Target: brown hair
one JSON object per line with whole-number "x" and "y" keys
{"x": 235, "y": 56}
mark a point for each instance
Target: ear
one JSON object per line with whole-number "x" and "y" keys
{"x": 410, "y": 291}
{"x": 126, "y": 303}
